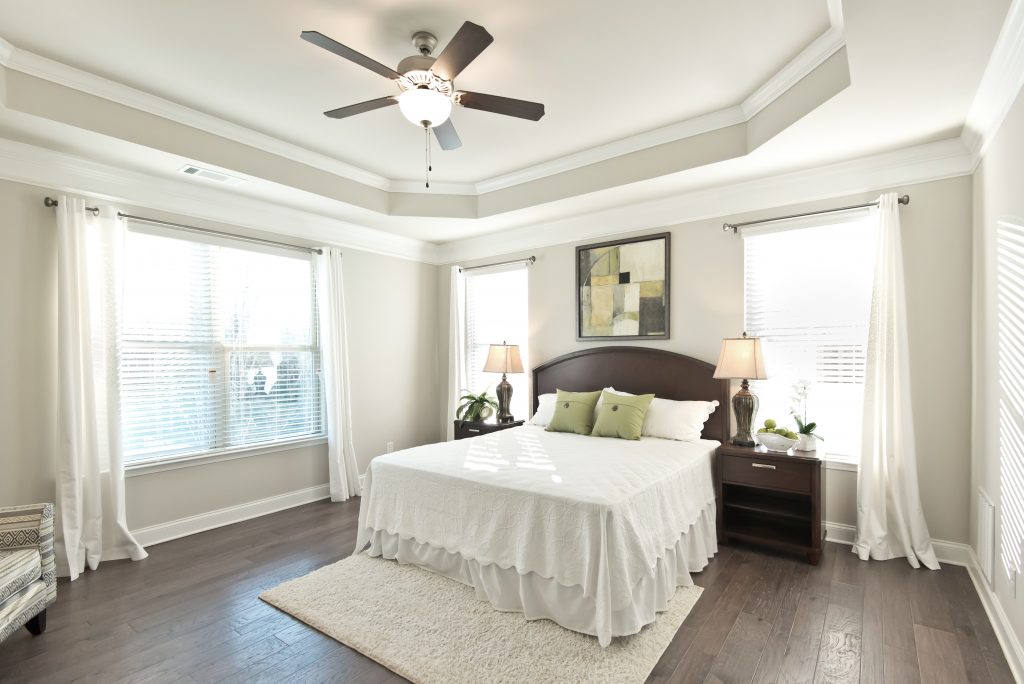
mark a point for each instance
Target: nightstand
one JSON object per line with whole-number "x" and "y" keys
{"x": 464, "y": 428}
{"x": 770, "y": 498}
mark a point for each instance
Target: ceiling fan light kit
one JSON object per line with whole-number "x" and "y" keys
{"x": 427, "y": 84}
{"x": 425, "y": 107}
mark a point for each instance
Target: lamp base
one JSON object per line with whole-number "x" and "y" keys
{"x": 504, "y": 392}
{"x": 744, "y": 405}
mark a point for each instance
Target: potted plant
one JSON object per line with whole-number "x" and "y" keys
{"x": 476, "y": 408}
{"x": 805, "y": 430}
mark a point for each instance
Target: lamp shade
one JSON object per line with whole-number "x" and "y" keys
{"x": 741, "y": 359}
{"x": 503, "y": 358}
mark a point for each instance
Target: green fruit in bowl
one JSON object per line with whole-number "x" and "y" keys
{"x": 762, "y": 431}
{"x": 791, "y": 435}
{"x": 770, "y": 424}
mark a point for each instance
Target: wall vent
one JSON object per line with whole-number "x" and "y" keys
{"x": 215, "y": 176}
{"x": 986, "y": 535}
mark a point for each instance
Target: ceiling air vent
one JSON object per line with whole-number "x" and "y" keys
{"x": 215, "y": 176}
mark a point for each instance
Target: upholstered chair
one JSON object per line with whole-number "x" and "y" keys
{"x": 28, "y": 576}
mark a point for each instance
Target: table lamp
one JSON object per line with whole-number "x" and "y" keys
{"x": 504, "y": 358}
{"x": 741, "y": 359}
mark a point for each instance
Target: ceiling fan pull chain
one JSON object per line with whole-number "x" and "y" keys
{"x": 426, "y": 151}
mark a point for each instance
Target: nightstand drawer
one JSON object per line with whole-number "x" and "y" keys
{"x": 465, "y": 429}
{"x": 768, "y": 473}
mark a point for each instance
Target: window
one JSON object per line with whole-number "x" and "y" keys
{"x": 808, "y": 295}
{"x": 1009, "y": 330}
{"x": 218, "y": 346}
{"x": 496, "y": 312}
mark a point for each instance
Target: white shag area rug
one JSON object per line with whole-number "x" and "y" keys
{"x": 431, "y": 629}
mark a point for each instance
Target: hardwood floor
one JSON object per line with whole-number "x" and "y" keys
{"x": 189, "y": 613}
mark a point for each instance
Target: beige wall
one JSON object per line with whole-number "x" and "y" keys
{"x": 707, "y": 305}
{"x": 28, "y": 345}
{"x": 391, "y": 312}
{"x": 998, "y": 195}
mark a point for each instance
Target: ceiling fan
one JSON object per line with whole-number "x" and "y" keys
{"x": 427, "y": 84}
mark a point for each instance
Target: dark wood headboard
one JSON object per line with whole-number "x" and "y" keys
{"x": 638, "y": 370}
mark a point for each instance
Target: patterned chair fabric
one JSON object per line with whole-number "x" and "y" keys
{"x": 28, "y": 574}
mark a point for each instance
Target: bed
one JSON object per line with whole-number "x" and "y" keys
{"x": 592, "y": 533}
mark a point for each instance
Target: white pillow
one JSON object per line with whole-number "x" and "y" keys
{"x": 545, "y": 410}
{"x": 679, "y": 420}
{"x": 668, "y": 419}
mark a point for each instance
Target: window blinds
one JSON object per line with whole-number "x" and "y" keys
{"x": 807, "y": 293}
{"x": 218, "y": 346}
{"x": 496, "y": 312}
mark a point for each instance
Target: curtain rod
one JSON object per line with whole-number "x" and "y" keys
{"x": 208, "y": 231}
{"x": 527, "y": 260}
{"x": 734, "y": 227}
{"x": 50, "y": 202}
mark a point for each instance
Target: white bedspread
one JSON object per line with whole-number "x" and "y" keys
{"x": 588, "y": 511}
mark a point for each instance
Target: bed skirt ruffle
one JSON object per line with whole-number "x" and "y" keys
{"x": 540, "y": 597}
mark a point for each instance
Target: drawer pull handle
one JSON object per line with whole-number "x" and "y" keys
{"x": 478, "y": 430}
{"x": 763, "y": 465}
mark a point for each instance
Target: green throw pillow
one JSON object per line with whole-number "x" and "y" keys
{"x": 622, "y": 416}
{"x": 574, "y": 412}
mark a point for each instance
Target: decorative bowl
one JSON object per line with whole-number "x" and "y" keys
{"x": 774, "y": 442}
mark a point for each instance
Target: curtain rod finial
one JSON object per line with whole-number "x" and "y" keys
{"x": 904, "y": 199}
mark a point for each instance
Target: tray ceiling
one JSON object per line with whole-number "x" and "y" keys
{"x": 603, "y": 75}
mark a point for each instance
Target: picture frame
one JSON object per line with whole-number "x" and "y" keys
{"x": 623, "y": 289}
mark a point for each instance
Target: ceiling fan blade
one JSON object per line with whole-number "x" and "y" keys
{"x": 331, "y": 45}
{"x": 368, "y": 106}
{"x": 469, "y": 42}
{"x": 500, "y": 105}
{"x": 446, "y": 136}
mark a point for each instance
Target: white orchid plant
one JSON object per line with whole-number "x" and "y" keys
{"x": 801, "y": 390}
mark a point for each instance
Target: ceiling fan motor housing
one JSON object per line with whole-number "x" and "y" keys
{"x": 415, "y": 63}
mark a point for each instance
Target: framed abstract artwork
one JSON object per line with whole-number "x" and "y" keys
{"x": 622, "y": 289}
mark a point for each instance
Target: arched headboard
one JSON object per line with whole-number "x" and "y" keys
{"x": 638, "y": 370}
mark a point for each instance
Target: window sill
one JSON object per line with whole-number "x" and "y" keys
{"x": 840, "y": 463}
{"x": 188, "y": 460}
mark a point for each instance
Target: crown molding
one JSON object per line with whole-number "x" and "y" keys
{"x": 704, "y": 123}
{"x": 23, "y": 163}
{"x": 91, "y": 84}
{"x": 809, "y": 59}
{"x": 1000, "y": 84}
{"x": 813, "y": 56}
{"x": 62, "y": 74}
{"x": 56, "y": 171}
{"x": 436, "y": 187}
{"x": 918, "y": 164}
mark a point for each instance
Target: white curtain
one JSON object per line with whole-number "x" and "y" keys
{"x": 90, "y": 460}
{"x": 456, "y": 345}
{"x": 890, "y": 522}
{"x": 341, "y": 453}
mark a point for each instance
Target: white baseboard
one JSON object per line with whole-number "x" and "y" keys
{"x": 1011, "y": 645}
{"x": 839, "y": 533}
{"x": 174, "y": 529}
{"x": 954, "y": 553}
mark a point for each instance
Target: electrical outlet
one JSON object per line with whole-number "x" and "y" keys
{"x": 390, "y": 447}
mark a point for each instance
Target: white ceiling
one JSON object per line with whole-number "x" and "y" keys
{"x": 914, "y": 65}
{"x": 602, "y": 75}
